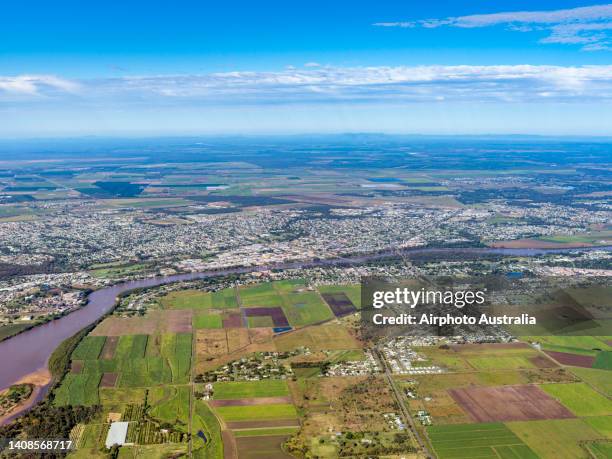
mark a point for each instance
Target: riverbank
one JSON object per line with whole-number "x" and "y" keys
{"x": 29, "y": 353}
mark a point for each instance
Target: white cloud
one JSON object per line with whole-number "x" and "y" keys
{"x": 330, "y": 85}
{"x": 312, "y": 64}
{"x": 587, "y": 26}
{"x": 32, "y": 85}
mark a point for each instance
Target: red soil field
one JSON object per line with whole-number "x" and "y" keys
{"x": 232, "y": 320}
{"x": 575, "y": 360}
{"x": 178, "y": 321}
{"x": 108, "y": 380}
{"x": 278, "y": 316}
{"x": 509, "y": 403}
{"x": 76, "y": 366}
{"x": 542, "y": 362}
{"x": 230, "y": 451}
{"x": 268, "y": 446}
{"x": 339, "y": 303}
{"x": 250, "y": 401}
{"x": 263, "y": 423}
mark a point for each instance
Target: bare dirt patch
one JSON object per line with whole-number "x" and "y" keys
{"x": 263, "y": 423}
{"x": 543, "y": 362}
{"x": 509, "y": 403}
{"x": 269, "y": 447}
{"x": 575, "y": 360}
{"x": 215, "y": 347}
{"x": 108, "y": 380}
{"x": 339, "y": 303}
{"x": 177, "y": 321}
{"x": 232, "y": 320}
{"x": 230, "y": 450}
{"x": 76, "y": 366}
{"x": 250, "y": 401}
{"x": 157, "y": 321}
{"x": 108, "y": 351}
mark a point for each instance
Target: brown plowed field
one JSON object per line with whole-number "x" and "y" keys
{"x": 229, "y": 445}
{"x": 263, "y": 423}
{"x": 76, "y": 366}
{"x": 178, "y": 321}
{"x": 250, "y": 401}
{"x": 575, "y": 360}
{"x": 108, "y": 351}
{"x": 268, "y": 447}
{"x": 232, "y": 320}
{"x": 542, "y": 362}
{"x": 509, "y": 403}
{"x": 109, "y": 380}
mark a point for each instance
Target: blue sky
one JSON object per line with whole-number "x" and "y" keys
{"x": 450, "y": 67}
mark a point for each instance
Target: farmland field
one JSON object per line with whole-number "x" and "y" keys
{"x": 315, "y": 338}
{"x": 508, "y": 403}
{"x": 487, "y": 441}
{"x": 580, "y": 399}
{"x": 170, "y": 404}
{"x": 257, "y": 412}
{"x": 89, "y": 348}
{"x": 555, "y": 439}
{"x": 237, "y": 390}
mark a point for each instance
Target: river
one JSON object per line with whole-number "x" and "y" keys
{"x": 29, "y": 351}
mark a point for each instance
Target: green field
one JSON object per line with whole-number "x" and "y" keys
{"x": 79, "y": 389}
{"x": 250, "y": 389}
{"x": 262, "y": 432}
{"x": 204, "y": 421}
{"x": 89, "y": 348}
{"x": 499, "y": 363}
{"x": 581, "y": 399}
{"x": 603, "y": 361}
{"x": 171, "y": 364}
{"x": 600, "y": 449}
{"x": 602, "y": 424}
{"x": 176, "y": 348}
{"x": 486, "y": 441}
{"x": 301, "y": 306}
{"x": 170, "y": 404}
{"x": 197, "y": 299}
{"x": 598, "y": 379}
{"x": 131, "y": 347}
{"x": 257, "y": 412}
{"x": 555, "y": 439}
{"x": 207, "y": 320}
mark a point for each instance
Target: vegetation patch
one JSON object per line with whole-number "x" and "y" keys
{"x": 580, "y": 399}
{"x": 487, "y": 441}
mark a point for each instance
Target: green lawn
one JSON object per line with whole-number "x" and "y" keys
{"x": 250, "y": 389}
{"x": 581, "y": 399}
